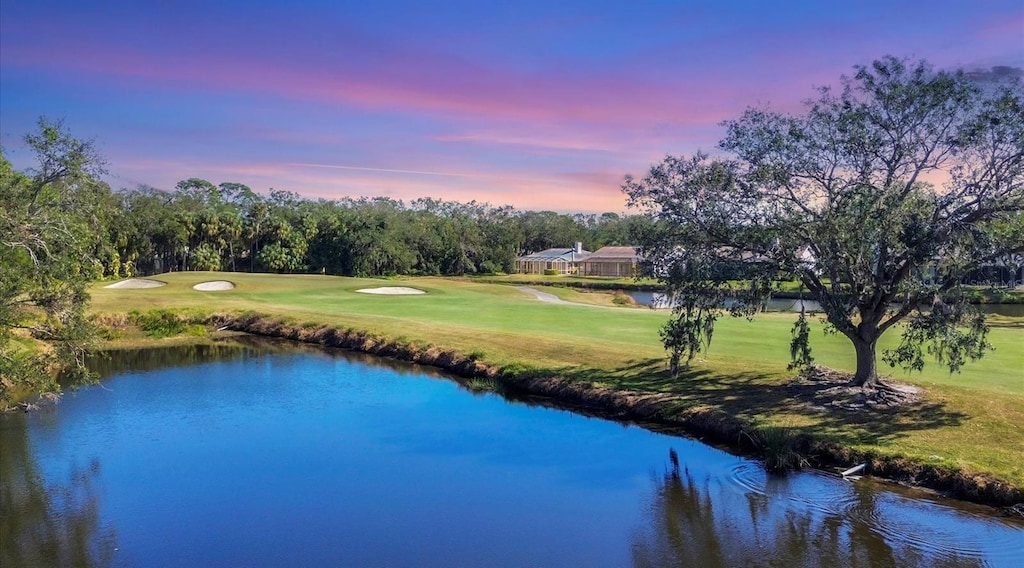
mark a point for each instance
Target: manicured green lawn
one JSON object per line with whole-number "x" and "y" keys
{"x": 974, "y": 419}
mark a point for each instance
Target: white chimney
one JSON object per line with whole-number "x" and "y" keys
{"x": 577, "y": 248}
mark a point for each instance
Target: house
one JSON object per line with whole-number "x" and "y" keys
{"x": 1005, "y": 272}
{"x": 618, "y": 262}
{"x": 562, "y": 260}
{"x": 741, "y": 264}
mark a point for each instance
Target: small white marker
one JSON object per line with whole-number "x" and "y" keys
{"x": 853, "y": 470}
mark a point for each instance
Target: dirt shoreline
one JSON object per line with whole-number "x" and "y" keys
{"x": 646, "y": 409}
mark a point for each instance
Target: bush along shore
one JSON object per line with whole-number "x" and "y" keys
{"x": 781, "y": 448}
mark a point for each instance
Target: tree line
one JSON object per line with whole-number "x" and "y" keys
{"x": 228, "y": 226}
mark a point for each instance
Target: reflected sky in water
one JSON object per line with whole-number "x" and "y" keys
{"x": 273, "y": 457}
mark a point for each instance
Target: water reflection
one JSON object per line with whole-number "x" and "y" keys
{"x": 659, "y": 300}
{"x": 46, "y": 523}
{"x": 109, "y": 363}
{"x": 275, "y": 454}
{"x": 697, "y": 521}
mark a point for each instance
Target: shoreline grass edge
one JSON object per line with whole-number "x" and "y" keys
{"x": 660, "y": 411}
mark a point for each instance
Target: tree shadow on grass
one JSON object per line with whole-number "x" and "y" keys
{"x": 753, "y": 397}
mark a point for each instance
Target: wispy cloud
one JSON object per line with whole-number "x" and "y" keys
{"x": 382, "y": 170}
{"x": 544, "y": 107}
{"x": 414, "y": 83}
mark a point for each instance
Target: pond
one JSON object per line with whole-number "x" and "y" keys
{"x": 659, "y": 301}
{"x": 269, "y": 455}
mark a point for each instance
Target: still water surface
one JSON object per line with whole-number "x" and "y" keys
{"x": 264, "y": 456}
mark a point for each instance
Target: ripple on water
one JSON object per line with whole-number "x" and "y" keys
{"x": 939, "y": 531}
{"x": 749, "y": 476}
{"x": 934, "y": 530}
{"x": 814, "y": 491}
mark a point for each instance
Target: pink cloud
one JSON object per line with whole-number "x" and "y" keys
{"x": 570, "y": 143}
{"x": 381, "y": 170}
{"x": 601, "y": 141}
{"x": 573, "y": 192}
{"x": 498, "y": 126}
{"x": 418, "y": 83}
{"x": 1010, "y": 27}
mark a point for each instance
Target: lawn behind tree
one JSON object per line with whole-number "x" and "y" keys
{"x": 973, "y": 420}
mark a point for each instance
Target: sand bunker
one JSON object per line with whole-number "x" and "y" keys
{"x": 136, "y": 283}
{"x": 391, "y": 290}
{"x": 214, "y": 285}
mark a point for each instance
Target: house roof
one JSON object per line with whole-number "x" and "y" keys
{"x": 802, "y": 254}
{"x": 555, "y": 254}
{"x": 615, "y": 254}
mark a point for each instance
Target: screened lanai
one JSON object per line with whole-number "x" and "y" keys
{"x": 562, "y": 260}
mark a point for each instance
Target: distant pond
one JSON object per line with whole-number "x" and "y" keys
{"x": 269, "y": 455}
{"x": 658, "y": 300}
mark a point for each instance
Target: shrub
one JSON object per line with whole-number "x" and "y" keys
{"x": 205, "y": 257}
{"x": 550, "y": 272}
{"x": 109, "y": 334}
{"x": 165, "y": 323}
{"x": 490, "y": 267}
{"x": 482, "y": 384}
{"x": 778, "y": 447}
{"x": 623, "y": 299}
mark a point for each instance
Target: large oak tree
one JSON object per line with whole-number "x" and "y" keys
{"x": 879, "y": 199}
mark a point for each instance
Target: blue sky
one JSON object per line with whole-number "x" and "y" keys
{"x": 541, "y": 105}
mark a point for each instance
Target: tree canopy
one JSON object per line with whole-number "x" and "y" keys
{"x": 879, "y": 199}
{"x": 51, "y": 226}
{"x": 228, "y": 226}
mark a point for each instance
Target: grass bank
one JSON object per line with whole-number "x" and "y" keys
{"x": 969, "y": 427}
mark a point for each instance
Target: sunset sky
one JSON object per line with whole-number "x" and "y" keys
{"x": 540, "y": 105}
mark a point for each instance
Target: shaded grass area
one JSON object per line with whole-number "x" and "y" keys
{"x": 972, "y": 422}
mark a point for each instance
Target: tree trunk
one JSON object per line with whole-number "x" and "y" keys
{"x": 867, "y": 372}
